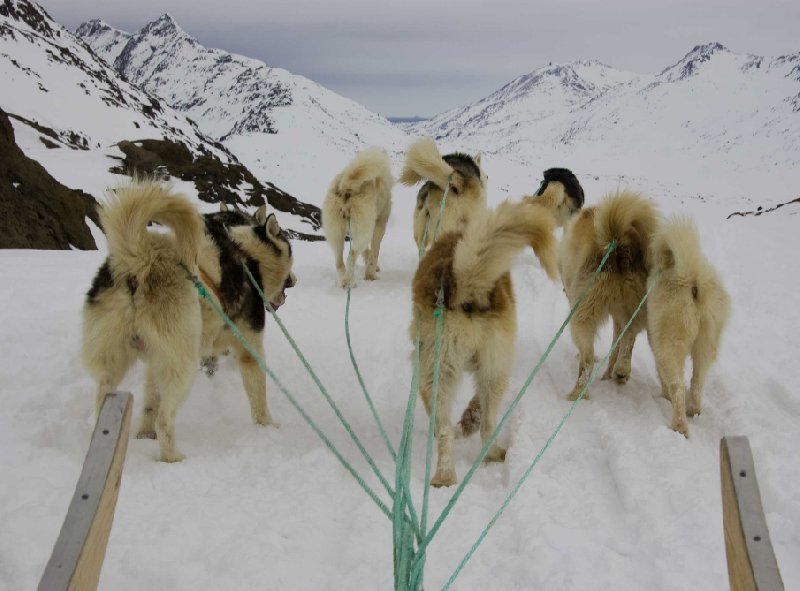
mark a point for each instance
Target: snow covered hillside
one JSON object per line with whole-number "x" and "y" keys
{"x": 713, "y": 113}
{"x": 269, "y": 117}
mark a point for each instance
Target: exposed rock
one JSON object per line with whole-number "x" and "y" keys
{"x": 36, "y": 211}
{"x": 760, "y": 210}
{"x": 216, "y": 181}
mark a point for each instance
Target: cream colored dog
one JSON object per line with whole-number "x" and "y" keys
{"x": 143, "y": 305}
{"x": 631, "y": 220}
{"x": 471, "y": 270}
{"x": 362, "y": 195}
{"x": 686, "y": 313}
{"x": 465, "y": 199}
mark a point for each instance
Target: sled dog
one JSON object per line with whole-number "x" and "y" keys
{"x": 143, "y": 305}
{"x": 360, "y": 194}
{"x": 465, "y": 198}
{"x": 561, "y": 193}
{"x": 472, "y": 272}
{"x": 686, "y": 313}
{"x": 631, "y": 220}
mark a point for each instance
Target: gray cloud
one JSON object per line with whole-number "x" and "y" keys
{"x": 422, "y": 57}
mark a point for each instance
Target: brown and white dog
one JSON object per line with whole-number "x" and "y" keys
{"x": 465, "y": 199}
{"x": 686, "y": 314}
{"x": 472, "y": 272}
{"x": 143, "y": 305}
{"x": 630, "y": 220}
{"x": 362, "y": 195}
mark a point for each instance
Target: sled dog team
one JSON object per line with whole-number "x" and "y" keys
{"x": 143, "y": 303}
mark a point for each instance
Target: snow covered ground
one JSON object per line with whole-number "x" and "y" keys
{"x": 618, "y": 502}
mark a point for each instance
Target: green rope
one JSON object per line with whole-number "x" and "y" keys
{"x": 319, "y": 384}
{"x": 550, "y": 439}
{"x": 485, "y": 449}
{"x": 262, "y": 364}
{"x": 350, "y": 264}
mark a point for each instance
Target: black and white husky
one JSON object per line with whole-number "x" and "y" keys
{"x": 144, "y": 305}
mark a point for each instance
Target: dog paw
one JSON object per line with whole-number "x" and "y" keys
{"x": 496, "y": 454}
{"x": 172, "y": 457}
{"x": 692, "y": 411}
{"x": 444, "y": 478}
{"x": 681, "y": 427}
{"x": 621, "y": 376}
{"x": 573, "y": 396}
{"x": 146, "y": 434}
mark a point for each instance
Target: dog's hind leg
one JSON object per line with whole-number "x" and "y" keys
{"x": 704, "y": 352}
{"x": 152, "y": 400}
{"x": 583, "y": 333}
{"x": 492, "y": 384}
{"x": 253, "y": 379}
{"x": 670, "y": 356}
{"x": 445, "y": 474}
{"x": 375, "y": 246}
{"x": 172, "y": 375}
{"x": 107, "y": 363}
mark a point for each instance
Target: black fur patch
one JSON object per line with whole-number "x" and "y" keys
{"x": 102, "y": 281}
{"x": 464, "y": 164}
{"x": 570, "y": 182}
{"x": 261, "y": 232}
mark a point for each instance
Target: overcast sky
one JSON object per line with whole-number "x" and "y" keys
{"x": 418, "y": 57}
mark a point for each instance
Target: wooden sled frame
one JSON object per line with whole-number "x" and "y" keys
{"x": 81, "y": 546}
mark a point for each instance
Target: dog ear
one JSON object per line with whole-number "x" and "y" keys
{"x": 272, "y": 225}
{"x": 261, "y": 215}
{"x": 477, "y": 159}
{"x": 223, "y": 207}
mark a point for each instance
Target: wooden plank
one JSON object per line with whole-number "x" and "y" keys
{"x": 81, "y": 546}
{"x": 751, "y": 560}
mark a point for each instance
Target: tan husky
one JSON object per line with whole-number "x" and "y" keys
{"x": 362, "y": 195}
{"x": 686, "y": 313}
{"x": 472, "y": 272}
{"x": 630, "y": 220}
{"x": 466, "y": 196}
{"x": 142, "y": 304}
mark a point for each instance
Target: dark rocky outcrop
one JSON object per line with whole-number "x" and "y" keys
{"x": 760, "y": 210}
{"x": 36, "y": 211}
{"x": 216, "y": 181}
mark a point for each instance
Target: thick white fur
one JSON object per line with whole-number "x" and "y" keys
{"x": 465, "y": 199}
{"x": 152, "y": 311}
{"x": 362, "y": 194}
{"x": 631, "y": 220}
{"x": 687, "y": 312}
{"x": 479, "y": 326}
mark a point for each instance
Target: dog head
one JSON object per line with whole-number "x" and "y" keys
{"x": 467, "y": 173}
{"x": 267, "y": 245}
{"x": 561, "y": 192}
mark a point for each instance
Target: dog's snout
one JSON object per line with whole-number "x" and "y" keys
{"x": 291, "y": 281}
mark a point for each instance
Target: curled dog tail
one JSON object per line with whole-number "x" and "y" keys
{"x": 125, "y": 218}
{"x": 371, "y": 164}
{"x": 485, "y": 253}
{"x": 630, "y": 220}
{"x": 424, "y": 162}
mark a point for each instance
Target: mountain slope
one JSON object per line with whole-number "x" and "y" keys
{"x": 66, "y": 98}
{"x": 276, "y": 122}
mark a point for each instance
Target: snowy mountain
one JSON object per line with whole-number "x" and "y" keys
{"x": 713, "y": 110}
{"x": 66, "y": 98}
{"x": 268, "y": 116}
